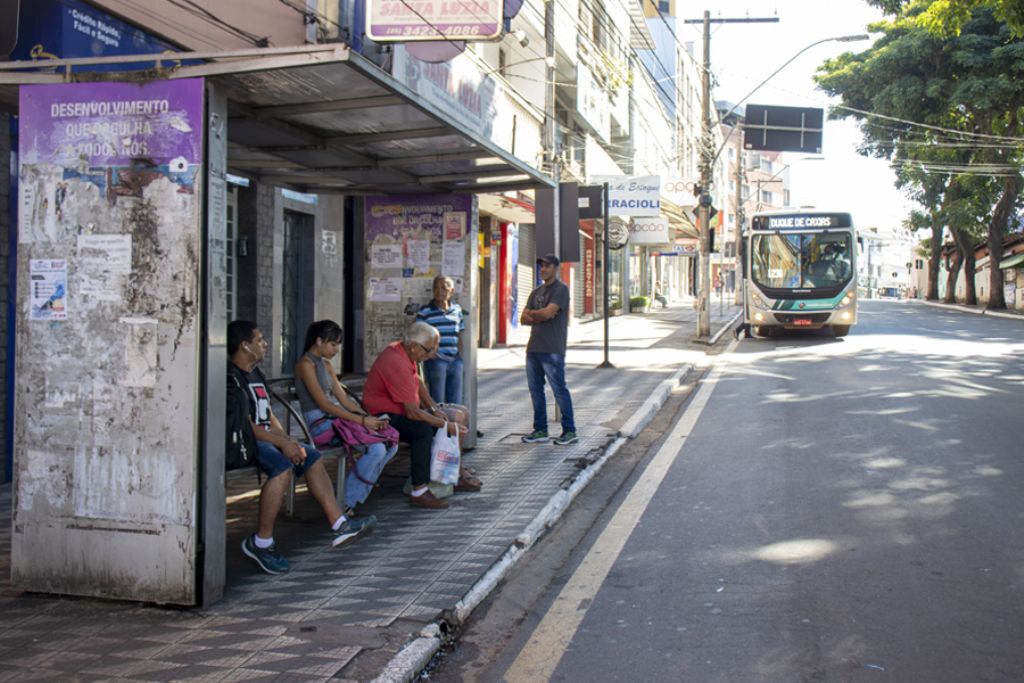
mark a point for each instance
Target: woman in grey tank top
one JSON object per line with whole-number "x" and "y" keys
{"x": 323, "y": 399}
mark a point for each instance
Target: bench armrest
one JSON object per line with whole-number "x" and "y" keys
{"x": 293, "y": 414}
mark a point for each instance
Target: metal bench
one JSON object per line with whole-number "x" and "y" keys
{"x": 282, "y": 390}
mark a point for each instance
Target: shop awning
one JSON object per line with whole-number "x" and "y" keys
{"x": 1013, "y": 261}
{"x": 322, "y": 119}
{"x": 680, "y": 218}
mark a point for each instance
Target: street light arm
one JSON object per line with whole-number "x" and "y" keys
{"x": 841, "y": 39}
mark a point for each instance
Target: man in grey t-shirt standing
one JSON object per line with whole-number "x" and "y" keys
{"x": 547, "y": 314}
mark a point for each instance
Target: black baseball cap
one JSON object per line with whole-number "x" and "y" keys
{"x": 549, "y": 258}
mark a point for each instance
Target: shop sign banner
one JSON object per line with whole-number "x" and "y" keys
{"x": 632, "y": 196}
{"x": 679, "y": 190}
{"x": 400, "y": 21}
{"x": 652, "y": 230}
{"x": 456, "y": 87}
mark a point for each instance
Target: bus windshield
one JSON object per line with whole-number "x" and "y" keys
{"x": 802, "y": 260}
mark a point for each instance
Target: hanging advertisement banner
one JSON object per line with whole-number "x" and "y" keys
{"x": 589, "y": 252}
{"x": 401, "y": 21}
{"x": 632, "y": 196}
{"x": 653, "y": 230}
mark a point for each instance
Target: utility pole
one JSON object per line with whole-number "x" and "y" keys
{"x": 707, "y": 159}
{"x": 704, "y": 192}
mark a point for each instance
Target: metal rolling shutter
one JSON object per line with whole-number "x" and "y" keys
{"x": 527, "y": 262}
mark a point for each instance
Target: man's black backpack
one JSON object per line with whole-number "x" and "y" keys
{"x": 240, "y": 450}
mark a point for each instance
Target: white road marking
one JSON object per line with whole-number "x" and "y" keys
{"x": 539, "y": 658}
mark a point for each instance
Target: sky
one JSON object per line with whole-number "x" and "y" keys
{"x": 743, "y": 55}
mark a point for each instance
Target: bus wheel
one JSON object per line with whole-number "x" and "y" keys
{"x": 840, "y": 330}
{"x": 762, "y": 330}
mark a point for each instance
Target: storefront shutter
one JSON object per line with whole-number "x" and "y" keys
{"x": 527, "y": 262}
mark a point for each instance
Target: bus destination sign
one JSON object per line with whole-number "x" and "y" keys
{"x": 792, "y": 221}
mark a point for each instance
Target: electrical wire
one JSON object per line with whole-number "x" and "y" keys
{"x": 208, "y": 16}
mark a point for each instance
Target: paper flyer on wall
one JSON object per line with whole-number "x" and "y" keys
{"x": 453, "y": 259}
{"x": 104, "y": 262}
{"x": 386, "y": 255}
{"x": 385, "y": 289}
{"x": 48, "y": 290}
{"x": 419, "y": 255}
{"x": 454, "y": 225}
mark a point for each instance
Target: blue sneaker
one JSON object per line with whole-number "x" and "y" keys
{"x": 352, "y": 528}
{"x": 538, "y": 436}
{"x": 268, "y": 559}
{"x": 567, "y": 438}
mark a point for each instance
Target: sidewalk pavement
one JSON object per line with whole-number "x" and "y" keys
{"x": 379, "y": 608}
{"x": 979, "y": 310}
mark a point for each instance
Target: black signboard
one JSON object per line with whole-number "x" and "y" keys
{"x": 591, "y": 201}
{"x": 783, "y": 129}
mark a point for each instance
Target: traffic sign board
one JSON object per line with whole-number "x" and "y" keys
{"x": 783, "y": 129}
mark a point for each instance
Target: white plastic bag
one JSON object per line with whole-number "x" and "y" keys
{"x": 444, "y": 457}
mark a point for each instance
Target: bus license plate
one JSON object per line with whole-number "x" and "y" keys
{"x": 802, "y": 321}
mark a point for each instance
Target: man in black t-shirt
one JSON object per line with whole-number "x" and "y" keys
{"x": 547, "y": 314}
{"x": 279, "y": 456}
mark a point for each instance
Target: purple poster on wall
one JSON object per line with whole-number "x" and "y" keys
{"x": 398, "y": 215}
{"x": 76, "y": 125}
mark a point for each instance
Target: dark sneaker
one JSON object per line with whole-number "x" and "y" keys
{"x": 351, "y": 528}
{"x": 567, "y": 438}
{"x": 268, "y": 559}
{"x": 538, "y": 436}
{"x": 428, "y": 500}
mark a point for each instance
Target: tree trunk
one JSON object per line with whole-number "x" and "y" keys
{"x": 934, "y": 259}
{"x": 967, "y": 260}
{"x": 950, "y": 197}
{"x": 1012, "y": 187}
{"x": 951, "y": 276}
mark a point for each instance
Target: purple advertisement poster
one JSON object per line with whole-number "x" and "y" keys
{"x": 157, "y": 124}
{"x": 400, "y": 215}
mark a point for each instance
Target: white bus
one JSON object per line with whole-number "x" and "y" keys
{"x": 800, "y": 271}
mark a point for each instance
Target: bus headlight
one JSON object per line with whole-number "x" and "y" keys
{"x": 758, "y": 301}
{"x": 845, "y": 316}
{"x": 847, "y": 299}
{"x": 759, "y": 317}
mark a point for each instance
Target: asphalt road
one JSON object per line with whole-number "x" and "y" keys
{"x": 822, "y": 510}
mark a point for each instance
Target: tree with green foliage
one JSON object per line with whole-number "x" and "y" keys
{"x": 949, "y": 113}
{"x": 947, "y": 17}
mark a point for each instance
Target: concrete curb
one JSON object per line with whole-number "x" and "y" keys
{"x": 724, "y": 328}
{"x": 970, "y": 309}
{"x": 416, "y": 654}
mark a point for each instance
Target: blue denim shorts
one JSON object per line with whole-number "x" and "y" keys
{"x": 273, "y": 462}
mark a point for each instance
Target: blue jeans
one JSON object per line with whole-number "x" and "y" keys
{"x": 370, "y": 465}
{"x": 444, "y": 379}
{"x": 552, "y": 367}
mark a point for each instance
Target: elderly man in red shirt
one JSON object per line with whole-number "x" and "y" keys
{"x": 394, "y": 387}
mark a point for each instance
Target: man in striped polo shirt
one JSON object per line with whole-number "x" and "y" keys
{"x": 444, "y": 370}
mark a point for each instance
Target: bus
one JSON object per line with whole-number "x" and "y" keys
{"x": 800, "y": 271}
